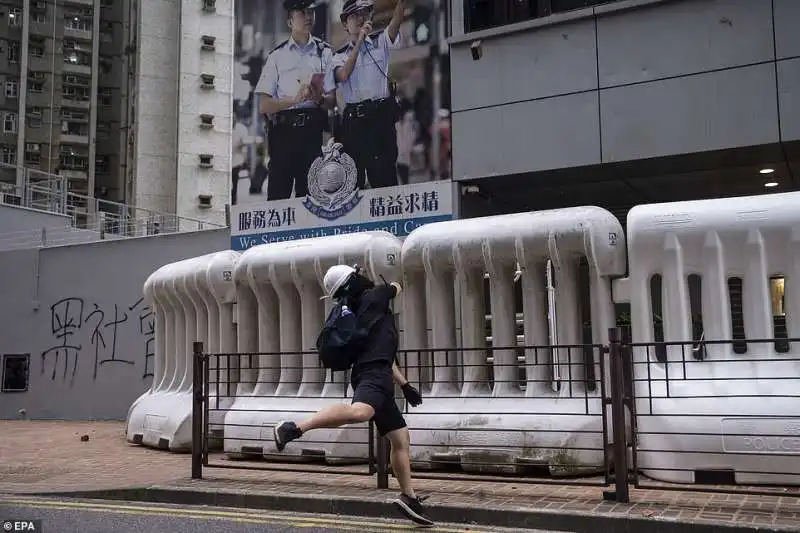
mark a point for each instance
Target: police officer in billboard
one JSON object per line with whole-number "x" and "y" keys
{"x": 360, "y": 71}
{"x": 293, "y": 100}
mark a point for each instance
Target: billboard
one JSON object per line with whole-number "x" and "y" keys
{"x": 315, "y": 154}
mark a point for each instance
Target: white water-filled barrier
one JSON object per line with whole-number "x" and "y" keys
{"x": 716, "y": 270}
{"x": 524, "y": 404}
{"x": 280, "y": 314}
{"x": 504, "y": 327}
{"x": 192, "y": 301}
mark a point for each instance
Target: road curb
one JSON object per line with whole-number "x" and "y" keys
{"x": 443, "y": 513}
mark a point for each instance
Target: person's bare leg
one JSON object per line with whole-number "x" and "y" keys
{"x": 400, "y": 458}
{"x": 337, "y": 415}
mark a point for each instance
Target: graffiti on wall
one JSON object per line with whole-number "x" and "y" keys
{"x": 85, "y": 331}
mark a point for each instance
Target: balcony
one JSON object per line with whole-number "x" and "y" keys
{"x": 66, "y": 101}
{"x": 74, "y": 175}
{"x": 39, "y": 63}
{"x": 77, "y": 68}
{"x": 72, "y": 32}
{"x": 43, "y": 29}
{"x": 74, "y": 138}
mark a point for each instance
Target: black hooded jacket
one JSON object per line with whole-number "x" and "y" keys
{"x": 375, "y": 321}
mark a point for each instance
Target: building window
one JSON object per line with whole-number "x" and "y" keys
{"x": 35, "y": 87}
{"x": 79, "y": 23}
{"x": 10, "y": 123}
{"x": 15, "y": 17}
{"x": 485, "y": 14}
{"x": 103, "y": 130}
{"x": 80, "y": 94}
{"x": 101, "y": 164}
{"x": 106, "y": 3}
{"x": 36, "y": 50}
{"x": 76, "y": 57}
{"x": 69, "y": 127}
{"x": 8, "y": 155}
{"x": 39, "y": 17}
{"x": 105, "y": 96}
{"x": 13, "y": 51}
{"x": 16, "y": 371}
{"x": 71, "y": 159}
{"x": 12, "y": 89}
{"x": 106, "y": 36}
{"x": 33, "y": 153}
{"x": 34, "y": 117}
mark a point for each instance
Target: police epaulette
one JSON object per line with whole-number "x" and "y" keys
{"x": 343, "y": 49}
{"x": 323, "y": 43}
{"x": 375, "y": 34}
{"x": 284, "y": 43}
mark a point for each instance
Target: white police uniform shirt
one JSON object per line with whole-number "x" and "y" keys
{"x": 368, "y": 80}
{"x": 290, "y": 65}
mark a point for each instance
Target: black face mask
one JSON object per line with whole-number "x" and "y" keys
{"x": 356, "y": 285}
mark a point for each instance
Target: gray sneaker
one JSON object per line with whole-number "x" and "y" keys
{"x": 284, "y": 433}
{"x": 412, "y": 509}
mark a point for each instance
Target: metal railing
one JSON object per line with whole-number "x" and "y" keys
{"x": 617, "y": 398}
{"x": 50, "y": 193}
{"x": 216, "y": 396}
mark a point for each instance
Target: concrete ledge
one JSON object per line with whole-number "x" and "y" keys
{"x": 379, "y": 508}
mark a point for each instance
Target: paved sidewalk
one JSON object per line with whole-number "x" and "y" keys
{"x": 50, "y": 457}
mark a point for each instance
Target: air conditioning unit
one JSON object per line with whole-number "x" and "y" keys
{"x": 208, "y": 43}
{"x": 206, "y": 121}
{"x": 205, "y": 160}
{"x": 207, "y": 81}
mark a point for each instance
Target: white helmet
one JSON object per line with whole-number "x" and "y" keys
{"x": 335, "y": 278}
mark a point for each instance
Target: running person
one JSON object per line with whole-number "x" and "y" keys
{"x": 372, "y": 376}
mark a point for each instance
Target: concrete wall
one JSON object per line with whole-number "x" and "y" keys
{"x": 194, "y": 101}
{"x": 156, "y": 119}
{"x": 626, "y": 81}
{"x": 21, "y": 227}
{"x": 169, "y": 104}
{"x": 78, "y": 311}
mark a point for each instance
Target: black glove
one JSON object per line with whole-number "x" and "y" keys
{"x": 412, "y": 395}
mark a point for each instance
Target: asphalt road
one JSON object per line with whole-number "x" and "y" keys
{"x": 95, "y": 516}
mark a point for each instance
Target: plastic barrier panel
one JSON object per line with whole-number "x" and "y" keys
{"x": 190, "y": 303}
{"x": 519, "y": 406}
{"x": 279, "y": 315}
{"x": 715, "y": 270}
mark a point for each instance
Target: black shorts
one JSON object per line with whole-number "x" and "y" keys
{"x": 374, "y": 386}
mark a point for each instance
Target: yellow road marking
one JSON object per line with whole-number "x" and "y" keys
{"x": 245, "y": 516}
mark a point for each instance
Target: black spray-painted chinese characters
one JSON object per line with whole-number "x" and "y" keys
{"x": 71, "y": 319}
{"x": 147, "y": 328}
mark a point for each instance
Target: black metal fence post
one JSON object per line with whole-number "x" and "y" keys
{"x": 383, "y": 461}
{"x": 198, "y": 398}
{"x": 621, "y": 493}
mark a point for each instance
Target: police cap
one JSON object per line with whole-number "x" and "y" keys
{"x": 354, "y": 6}
{"x": 297, "y": 5}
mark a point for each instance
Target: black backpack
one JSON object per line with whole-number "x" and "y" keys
{"x": 338, "y": 344}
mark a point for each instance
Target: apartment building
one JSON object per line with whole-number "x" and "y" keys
{"x": 67, "y": 76}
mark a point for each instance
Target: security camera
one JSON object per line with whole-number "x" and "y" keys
{"x": 477, "y": 50}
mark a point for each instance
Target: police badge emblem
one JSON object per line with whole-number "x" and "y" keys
{"x": 332, "y": 183}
